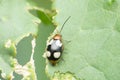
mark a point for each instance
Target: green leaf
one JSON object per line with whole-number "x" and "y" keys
{"x": 15, "y": 23}
{"x": 17, "y": 76}
{"x": 42, "y": 4}
{"x": 94, "y": 34}
{"x": 45, "y": 13}
{"x": 45, "y": 28}
{"x": 24, "y": 50}
{"x": 23, "y": 56}
{"x": 64, "y": 76}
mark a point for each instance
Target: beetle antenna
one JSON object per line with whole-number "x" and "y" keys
{"x": 64, "y": 23}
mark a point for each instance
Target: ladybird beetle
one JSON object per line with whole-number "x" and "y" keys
{"x": 55, "y": 47}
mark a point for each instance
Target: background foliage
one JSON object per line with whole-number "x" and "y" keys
{"x": 93, "y": 31}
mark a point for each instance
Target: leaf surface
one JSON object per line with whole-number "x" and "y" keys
{"x": 15, "y": 23}
{"x": 94, "y": 34}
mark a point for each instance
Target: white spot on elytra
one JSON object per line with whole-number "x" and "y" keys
{"x": 57, "y": 54}
{"x": 48, "y": 54}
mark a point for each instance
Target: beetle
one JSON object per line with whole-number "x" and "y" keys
{"x": 55, "y": 47}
